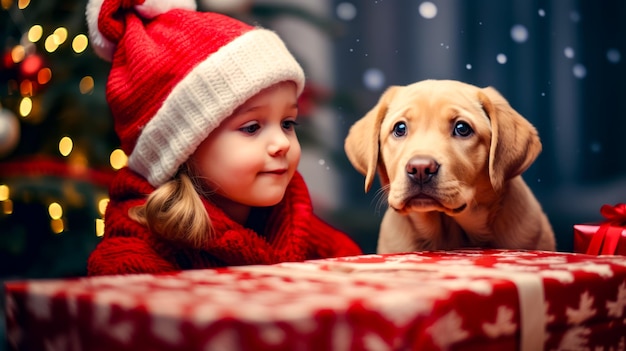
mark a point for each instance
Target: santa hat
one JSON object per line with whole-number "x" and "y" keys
{"x": 176, "y": 74}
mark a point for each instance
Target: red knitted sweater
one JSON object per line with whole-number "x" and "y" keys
{"x": 293, "y": 233}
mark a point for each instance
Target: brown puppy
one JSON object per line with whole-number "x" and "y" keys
{"x": 449, "y": 156}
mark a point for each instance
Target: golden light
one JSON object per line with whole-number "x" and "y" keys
{"x": 65, "y": 146}
{"x": 86, "y": 85}
{"x": 80, "y": 42}
{"x": 51, "y": 43}
{"x": 6, "y": 4}
{"x": 26, "y": 106}
{"x": 7, "y": 206}
{"x": 118, "y": 159}
{"x": 57, "y": 225}
{"x": 26, "y": 88}
{"x": 99, "y": 227}
{"x": 18, "y": 53}
{"x": 60, "y": 35}
{"x": 78, "y": 161}
{"x": 55, "y": 210}
{"x": 102, "y": 205}
{"x": 44, "y": 75}
{"x": 34, "y": 33}
{"x": 22, "y": 4}
{"x": 4, "y": 192}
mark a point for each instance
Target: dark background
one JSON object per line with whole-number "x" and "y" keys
{"x": 577, "y": 102}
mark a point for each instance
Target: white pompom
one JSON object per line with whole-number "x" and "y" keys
{"x": 149, "y": 9}
{"x": 152, "y": 8}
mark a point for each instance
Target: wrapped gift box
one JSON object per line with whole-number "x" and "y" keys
{"x": 615, "y": 244}
{"x": 455, "y": 300}
{"x": 606, "y": 238}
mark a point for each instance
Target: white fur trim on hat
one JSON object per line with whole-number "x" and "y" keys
{"x": 206, "y": 96}
{"x": 103, "y": 47}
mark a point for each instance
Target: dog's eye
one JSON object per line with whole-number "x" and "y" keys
{"x": 399, "y": 129}
{"x": 462, "y": 129}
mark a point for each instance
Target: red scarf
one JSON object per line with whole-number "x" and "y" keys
{"x": 293, "y": 233}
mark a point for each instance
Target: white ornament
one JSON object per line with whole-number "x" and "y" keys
{"x": 9, "y": 132}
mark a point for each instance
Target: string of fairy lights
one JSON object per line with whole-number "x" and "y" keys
{"x": 26, "y": 87}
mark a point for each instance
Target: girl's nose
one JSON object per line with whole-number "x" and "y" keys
{"x": 279, "y": 143}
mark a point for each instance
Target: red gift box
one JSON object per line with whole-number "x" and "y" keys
{"x": 606, "y": 238}
{"x": 455, "y": 300}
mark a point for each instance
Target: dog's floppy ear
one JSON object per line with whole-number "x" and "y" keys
{"x": 362, "y": 143}
{"x": 515, "y": 143}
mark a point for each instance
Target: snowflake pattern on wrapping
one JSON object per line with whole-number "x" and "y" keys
{"x": 427, "y": 300}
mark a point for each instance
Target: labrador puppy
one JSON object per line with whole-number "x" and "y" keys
{"x": 450, "y": 156}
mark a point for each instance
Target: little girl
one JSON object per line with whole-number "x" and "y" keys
{"x": 205, "y": 106}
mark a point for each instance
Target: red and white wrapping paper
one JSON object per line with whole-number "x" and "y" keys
{"x": 455, "y": 300}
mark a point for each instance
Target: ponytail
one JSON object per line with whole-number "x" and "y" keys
{"x": 174, "y": 212}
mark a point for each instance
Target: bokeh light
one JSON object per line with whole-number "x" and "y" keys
{"x": 86, "y": 85}
{"x": 26, "y": 106}
{"x": 55, "y": 210}
{"x": 18, "y": 53}
{"x": 34, "y": 33}
{"x": 102, "y": 205}
{"x": 79, "y": 43}
{"x": 22, "y": 4}
{"x": 60, "y": 35}
{"x": 44, "y": 75}
{"x": 65, "y": 146}
{"x": 4, "y": 192}
{"x": 99, "y": 227}
{"x": 118, "y": 159}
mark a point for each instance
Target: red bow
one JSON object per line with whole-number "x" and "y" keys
{"x": 605, "y": 240}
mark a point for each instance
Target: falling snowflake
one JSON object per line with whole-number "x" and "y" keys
{"x": 585, "y": 310}
{"x": 501, "y": 58}
{"x": 346, "y": 11}
{"x": 428, "y": 10}
{"x": 519, "y": 33}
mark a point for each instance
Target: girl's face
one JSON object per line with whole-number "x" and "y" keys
{"x": 251, "y": 157}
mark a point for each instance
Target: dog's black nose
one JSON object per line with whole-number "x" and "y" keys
{"x": 421, "y": 169}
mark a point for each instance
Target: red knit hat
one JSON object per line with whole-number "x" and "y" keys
{"x": 177, "y": 74}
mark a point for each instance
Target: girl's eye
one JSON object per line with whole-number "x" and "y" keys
{"x": 289, "y": 124}
{"x": 399, "y": 129}
{"x": 250, "y": 129}
{"x": 462, "y": 129}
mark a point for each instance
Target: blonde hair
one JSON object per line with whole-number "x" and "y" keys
{"x": 174, "y": 211}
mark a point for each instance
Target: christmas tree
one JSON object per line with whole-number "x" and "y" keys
{"x": 58, "y": 147}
